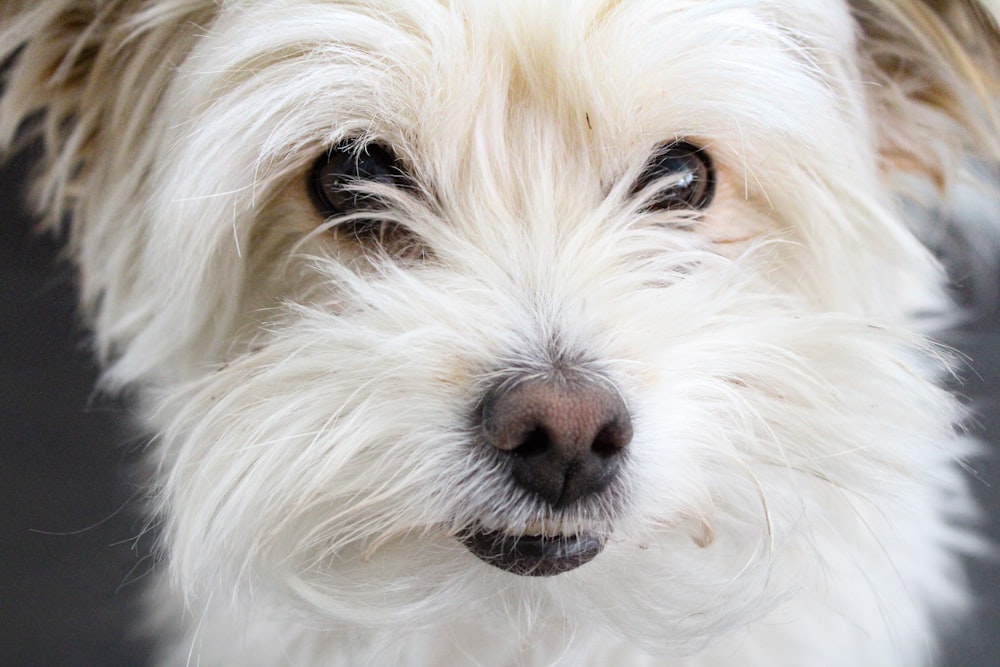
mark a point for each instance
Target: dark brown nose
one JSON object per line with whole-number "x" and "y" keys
{"x": 565, "y": 436}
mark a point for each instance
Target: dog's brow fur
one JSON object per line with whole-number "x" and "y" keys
{"x": 314, "y": 381}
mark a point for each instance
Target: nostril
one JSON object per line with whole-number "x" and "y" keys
{"x": 609, "y": 441}
{"x": 534, "y": 443}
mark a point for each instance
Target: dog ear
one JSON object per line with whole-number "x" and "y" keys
{"x": 85, "y": 76}
{"x": 933, "y": 70}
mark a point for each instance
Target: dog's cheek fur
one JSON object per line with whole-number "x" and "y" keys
{"x": 314, "y": 442}
{"x": 338, "y": 486}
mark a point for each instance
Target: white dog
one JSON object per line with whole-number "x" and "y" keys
{"x": 423, "y": 299}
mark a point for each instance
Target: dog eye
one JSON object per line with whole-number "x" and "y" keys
{"x": 683, "y": 176}
{"x": 338, "y": 177}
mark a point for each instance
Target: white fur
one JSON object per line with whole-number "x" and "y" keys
{"x": 795, "y": 493}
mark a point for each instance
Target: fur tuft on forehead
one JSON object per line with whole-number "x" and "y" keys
{"x": 924, "y": 58}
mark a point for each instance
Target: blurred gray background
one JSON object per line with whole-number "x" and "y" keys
{"x": 71, "y": 566}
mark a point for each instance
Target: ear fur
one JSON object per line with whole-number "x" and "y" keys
{"x": 87, "y": 76}
{"x": 934, "y": 71}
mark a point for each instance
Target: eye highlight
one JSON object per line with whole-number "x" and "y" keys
{"x": 683, "y": 177}
{"x": 338, "y": 176}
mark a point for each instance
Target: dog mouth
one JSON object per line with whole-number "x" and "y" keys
{"x": 534, "y": 555}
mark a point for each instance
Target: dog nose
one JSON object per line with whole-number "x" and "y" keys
{"x": 565, "y": 436}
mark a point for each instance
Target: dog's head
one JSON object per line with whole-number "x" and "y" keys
{"x": 608, "y": 290}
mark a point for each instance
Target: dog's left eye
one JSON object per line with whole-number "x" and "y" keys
{"x": 338, "y": 177}
{"x": 683, "y": 176}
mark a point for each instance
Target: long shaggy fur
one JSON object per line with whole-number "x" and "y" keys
{"x": 793, "y": 493}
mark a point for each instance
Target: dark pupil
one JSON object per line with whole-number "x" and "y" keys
{"x": 337, "y": 174}
{"x": 373, "y": 163}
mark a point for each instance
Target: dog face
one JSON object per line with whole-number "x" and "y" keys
{"x": 614, "y": 291}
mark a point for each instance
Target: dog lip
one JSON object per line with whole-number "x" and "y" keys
{"x": 534, "y": 555}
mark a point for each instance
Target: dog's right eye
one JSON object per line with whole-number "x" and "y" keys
{"x": 338, "y": 178}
